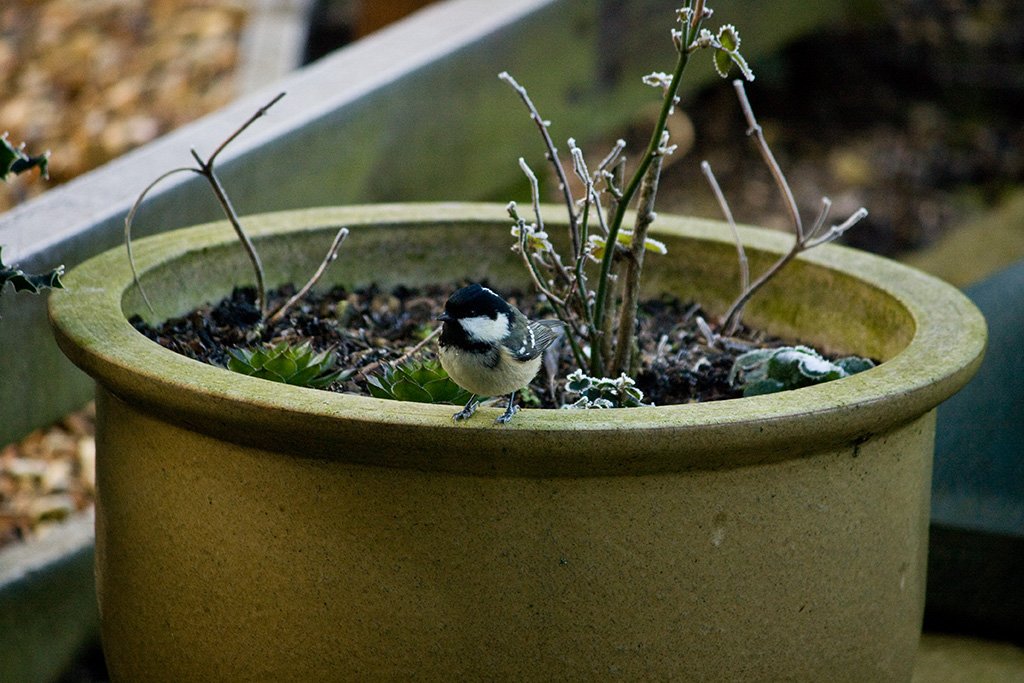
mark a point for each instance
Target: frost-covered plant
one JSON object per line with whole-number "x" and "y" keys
{"x": 421, "y": 381}
{"x": 206, "y": 169}
{"x": 296, "y": 364}
{"x": 765, "y": 371}
{"x": 600, "y": 308}
{"x": 603, "y": 392}
{"x": 14, "y": 161}
{"x": 28, "y": 282}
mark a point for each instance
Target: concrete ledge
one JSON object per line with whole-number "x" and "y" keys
{"x": 47, "y": 602}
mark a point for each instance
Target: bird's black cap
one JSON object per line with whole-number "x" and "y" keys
{"x": 473, "y": 300}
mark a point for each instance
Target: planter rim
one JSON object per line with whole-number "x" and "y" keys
{"x": 946, "y": 349}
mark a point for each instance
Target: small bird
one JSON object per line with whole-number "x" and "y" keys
{"x": 489, "y": 348}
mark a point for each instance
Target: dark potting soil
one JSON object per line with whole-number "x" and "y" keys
{"x": 368, "y": 328}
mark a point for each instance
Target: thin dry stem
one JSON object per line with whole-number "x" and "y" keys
{"x": 373, "y": 367}
{"x": 552, "y": 155}
{"x": 741, "y": 253}
{"x": 232, "y": 216}
{"x": 206, "y": 169}
{"x": 731, "y": 319}
{"x": 804, "y": 240}
{"x": 332, "y": 254}
{"x": 697, "y": 17}
{"x": 531, "y": 266}
{"x": 129, "y": 220}
{"x": 754, "y": 129}
{"x": 260, "y": 113}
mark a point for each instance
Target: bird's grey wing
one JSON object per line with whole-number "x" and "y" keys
{"x": 539, "y": 335}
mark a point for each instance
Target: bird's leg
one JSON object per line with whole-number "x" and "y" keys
{"x": 512, "y": 409}
{"x": 471, "y": 405}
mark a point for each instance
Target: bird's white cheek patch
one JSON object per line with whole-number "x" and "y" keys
{"x": 484, "y": 329}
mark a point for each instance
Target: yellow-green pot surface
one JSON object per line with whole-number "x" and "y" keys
{"x": 258, "y": 531}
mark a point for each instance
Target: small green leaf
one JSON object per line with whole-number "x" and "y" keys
{"x": 296, "y": 364}
{"x": 304, "y": 377}
{"x": 324, "y": 381}
{"x": 236, "y": 364}
{"x": 765, "y": 386}
{"x": 444, "y": 390}
{"x": 741, "y": 63}
{"x": 854, "y": 364}
{"x": 790, "y": 367}
{"x": 729, "y": 38}
{"x": 603, "y": 392}
{"x": 419, "y": 381}
{"x": 656, "y": 246}
{"x": 282, "y": 366}
{"x": 8, "y": 155}
{"x": 784, "y": 366}
{"x": 404, "y": 390}
{"x": 723, "y": 61}
{"x": 376, "y": 389}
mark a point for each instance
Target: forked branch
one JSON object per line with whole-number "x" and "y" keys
{"x": 206, "y": 168}
{"x": 804, "y": 239}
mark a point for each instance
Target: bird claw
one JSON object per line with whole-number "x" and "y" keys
{"x": 466, "y": 412}
{"x": 506, "y": 417}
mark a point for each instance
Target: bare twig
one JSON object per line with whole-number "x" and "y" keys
{"x": 260, "y": 113}
{"x": 709, "y": 335}
{"x": 206, "y": 169}
{"x": 329, "y": 258}
{"x": 804, "y": 240}
{"x": 819, "y": 222}
{"x": 754, "y": 129}
{"x": 538, "y": 278}
{"x": 371, "y": 367}
{"x": 610, "y": 159}
{"x": 741, "y": 253}
{"x": 697, "y": 17}
{"x": 552, "y": 155}
{"x": 130, "y": 219}
{"x": 731, "y": 319}
{"x": 836, "y": 231}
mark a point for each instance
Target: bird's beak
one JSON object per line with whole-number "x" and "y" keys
{"x": 444, "y": 317}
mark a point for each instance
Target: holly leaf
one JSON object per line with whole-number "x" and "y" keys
{"x": 14, "y": 161}
{"x": 723, "y": 61}
{"x": 28, "y": 282}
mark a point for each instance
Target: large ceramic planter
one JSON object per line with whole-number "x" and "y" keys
{"x": 248, "y": 530}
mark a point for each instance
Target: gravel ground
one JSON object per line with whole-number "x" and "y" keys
{"x": 92, "y": 79}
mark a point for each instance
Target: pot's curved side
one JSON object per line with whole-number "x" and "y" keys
{"x": 268, "y": 567}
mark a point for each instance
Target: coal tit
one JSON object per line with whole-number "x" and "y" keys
{"x": 489, "y": 348}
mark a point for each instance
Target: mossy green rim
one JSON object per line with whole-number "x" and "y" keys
{"x": 945, "y": 351}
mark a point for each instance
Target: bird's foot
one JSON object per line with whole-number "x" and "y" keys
{"x": 512, "y": 409}
{"x": 466, "y": 412}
